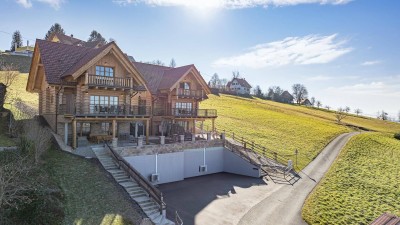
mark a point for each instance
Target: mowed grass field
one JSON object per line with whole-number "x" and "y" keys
{"x": 18, "y": 90}
{"x": 363, "y": 183}
{"x": 283, "y": 128}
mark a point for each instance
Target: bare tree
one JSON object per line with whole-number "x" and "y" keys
{"x": 223, "y": 81}
{"x": 347, "y": 109}
{"x": 299, "y": 92}
{"x": 235, "y": 74}
{"x": 340, "y": 115}
{"x": 172, "y": 63}
{"x": 357, "y": 111}
{"x": 39, "y": 136}
{"x": 382, "y": 115}
{"x": 312, "y": 101}
{"x": 8, "y": 74}
{"x": 398, "y": 116}
{"x": 258, "y": 92}
{"x": 15, "y": 182}
{"x": 215, "y": 81}
{"x": 319, "y": 103}
{"x": 327, "y": 107}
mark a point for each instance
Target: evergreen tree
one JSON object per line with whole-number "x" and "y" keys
{"x": 56, "y": 28}
{"x": 96, "y": 36}
{"x": 16, "y": 40}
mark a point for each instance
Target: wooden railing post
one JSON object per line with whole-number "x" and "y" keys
{"x": 276, "y": 156}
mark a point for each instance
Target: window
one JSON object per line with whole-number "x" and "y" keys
{"x": 183, "y": 124}
{"x": 105, "y": 127}
{"x": 103, "y": 104}
{"x": 104, "y": 71}
{"x": 183, "y": 108}
{"x": 183, "y": 105}
{"x": 184, "y": 85}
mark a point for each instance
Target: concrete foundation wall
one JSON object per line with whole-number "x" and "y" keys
{"x": 177, "y": 166}
{"x": 234, "y": 164}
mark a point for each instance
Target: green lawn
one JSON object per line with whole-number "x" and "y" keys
{"x": 362, "y": 184}
{"x": 90, "y": 195}
{"x": 283, "y": 127}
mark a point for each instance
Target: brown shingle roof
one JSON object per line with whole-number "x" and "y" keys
{"x": 386, "y": 219}
{"x": 160, "y": 77}
{"x": 241, "y": 81}
{"x": 65, "y": 39}
{"x": 63, "y": 59}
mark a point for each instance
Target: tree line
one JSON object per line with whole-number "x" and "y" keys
{"x": 17, "y": 40}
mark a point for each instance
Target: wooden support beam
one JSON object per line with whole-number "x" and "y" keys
{"x": 74, "y": 134}
{"x": 213, "y": 125}
{"x": 114, "y": 128}
{"x": 147, "y": 131}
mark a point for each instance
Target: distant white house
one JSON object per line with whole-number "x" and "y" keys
{"x": 239, "y": 86}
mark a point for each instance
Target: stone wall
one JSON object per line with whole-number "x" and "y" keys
{"x": 168, "y": 148}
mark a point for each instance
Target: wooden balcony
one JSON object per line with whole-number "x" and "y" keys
{"x": 105, "y": 111}
{"x": 111, "y": 82}
{"x": 187, "y": 113}
{"x": 187, "y": 93}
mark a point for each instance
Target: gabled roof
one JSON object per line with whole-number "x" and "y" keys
{"x": 163, "y": 77}
{"x": 61, "y": 59}
{"x": 286, "y": 95}
{"x": 70, "y": 40}
{"x": 241, "y": 81}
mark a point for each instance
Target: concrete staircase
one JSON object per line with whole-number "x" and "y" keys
{"x": 149, "y": 207}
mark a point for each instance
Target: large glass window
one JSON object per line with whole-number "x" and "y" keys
{"x": 183, "y": 109}
{"x": 104, "y": 71}
{"x": 103, "y": 104}
{"x": 185, "y": 85}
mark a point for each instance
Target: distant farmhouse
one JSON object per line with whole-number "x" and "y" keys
{"x": 305, "y": 102}
{"x": 70, "y": 40}
{"x": 286, "y": 97}
{"x": 239, "y": 86}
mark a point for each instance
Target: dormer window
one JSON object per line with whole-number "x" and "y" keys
{"x": 104, "y": 71}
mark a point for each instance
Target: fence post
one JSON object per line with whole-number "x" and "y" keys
{"x": 276, "y": 156}
{"x": 252, "y": 145}
{"x": 244, "y": 145}
{"x": 233, "y": 135}
{"x": 296, "y": 152}
{"x": 264, "y": 151}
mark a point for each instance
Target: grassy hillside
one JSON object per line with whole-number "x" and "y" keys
{"x": 362, "y": 184}
{"x": 90, "y": 195}
{"x": 284, "y": 128}
{"x": 23, "y": 63}
{"x": 18, "y": 90}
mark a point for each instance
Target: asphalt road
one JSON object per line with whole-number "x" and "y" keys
{"x": 284, "y": 205}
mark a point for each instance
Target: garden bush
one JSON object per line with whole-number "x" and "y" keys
{"x": 397, "y": 136}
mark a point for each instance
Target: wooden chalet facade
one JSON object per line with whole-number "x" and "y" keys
{"x": 176, "y": 95}
{"x": 99, "y": 94}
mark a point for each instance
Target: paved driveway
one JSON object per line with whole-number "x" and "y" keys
{"x": 232, "y": 199}
{"x": 193, "y": 195}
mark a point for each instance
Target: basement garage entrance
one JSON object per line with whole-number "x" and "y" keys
{"x": 193, "y": 195}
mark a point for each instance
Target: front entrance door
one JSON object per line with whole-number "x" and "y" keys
{"x": 70, "y": 103}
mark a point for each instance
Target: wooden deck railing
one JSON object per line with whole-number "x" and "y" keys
{"x": 186, "y": 112}
{"x": 180, "y": 92}
{"x": 153, "y": 192}
{"x": 103, "y": 81}
{"x": 100, "y": 110}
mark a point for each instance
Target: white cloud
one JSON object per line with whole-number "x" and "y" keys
{"x": 311, "y": 49}
{"x": 56, "y": 4}
{"x": 371, "y": 63}
{"x": 320, "y": 78}
{"x": 388, "y": 87}
{"x": 25, "y": 3}
{"x": 231, "y": 4}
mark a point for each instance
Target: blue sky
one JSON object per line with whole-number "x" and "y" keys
{"x": 345, "y": 52}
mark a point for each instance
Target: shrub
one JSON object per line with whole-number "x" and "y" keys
{"x": 397, "y": 136}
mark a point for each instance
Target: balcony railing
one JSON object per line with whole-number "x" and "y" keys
{"x": 180, "y": 92}
{"x": 101, "y": 110}
{"x": 188, "y": 112}
{"x": 115, "y": 82}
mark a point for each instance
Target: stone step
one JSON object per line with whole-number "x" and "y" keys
{"x": 151, "y": 212}
{"x": 151, "y": 207}
{"x": 148, "y": 204}
{"x": 142, "y": 199}
{"x": 128, "y": 184}
{"x": 138, "y": 195}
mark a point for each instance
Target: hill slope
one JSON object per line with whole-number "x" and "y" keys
{"x": 284, "y": 128}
